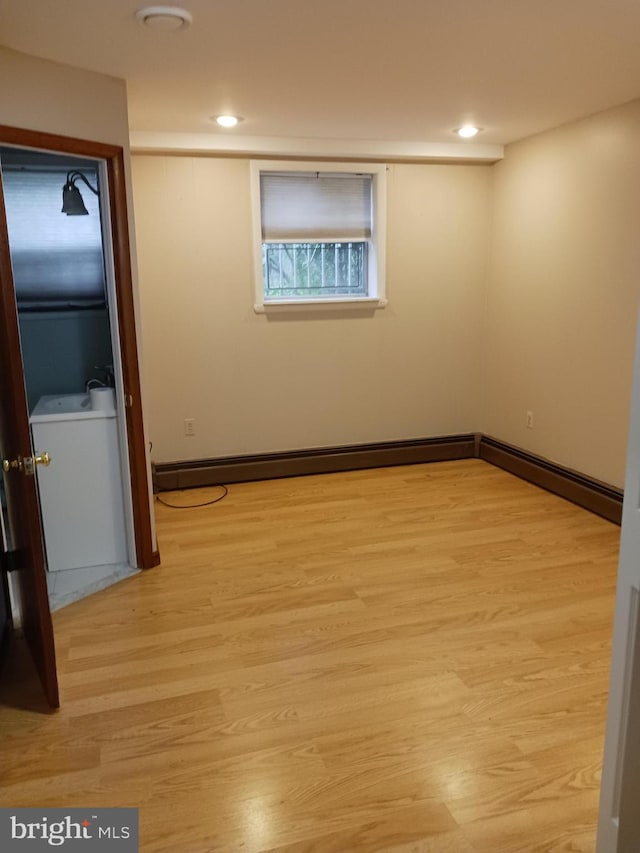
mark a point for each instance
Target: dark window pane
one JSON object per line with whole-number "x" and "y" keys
{"x": 314, "y": 270}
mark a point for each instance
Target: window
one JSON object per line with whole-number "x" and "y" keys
{"x": 57, "y": 260}
{"x": 319, "y": 232}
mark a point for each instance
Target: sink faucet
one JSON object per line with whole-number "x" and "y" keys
{"x": 109, "y": 376}
{"x": 94, "y": 383}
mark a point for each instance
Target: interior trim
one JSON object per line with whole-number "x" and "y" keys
{"x": 130, "y": 366}
{"x": 218, "y": 144}
{"x": 585, "y": 491}
{"x": 326, "y": 460}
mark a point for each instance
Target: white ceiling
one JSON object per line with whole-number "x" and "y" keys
{"x": 387, "y": 70}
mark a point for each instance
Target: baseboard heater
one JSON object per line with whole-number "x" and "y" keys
{"x": 326, "y": 460}
{"x": 585, "y": 491}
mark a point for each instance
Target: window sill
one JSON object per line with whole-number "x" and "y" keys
{"x": 285, "y": 305}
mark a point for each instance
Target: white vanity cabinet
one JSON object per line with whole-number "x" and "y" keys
{"x": 81, "y": 498}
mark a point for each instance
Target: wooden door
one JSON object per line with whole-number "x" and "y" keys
{"x": 5, "y": 610}
{"x": 23, "y": 524}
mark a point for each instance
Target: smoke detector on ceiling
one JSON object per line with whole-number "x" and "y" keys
{"x": 167, "y": 18}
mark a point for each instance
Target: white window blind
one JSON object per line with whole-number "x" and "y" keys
{"x": 310, "y": 206}
{"x": 57, "y": 259}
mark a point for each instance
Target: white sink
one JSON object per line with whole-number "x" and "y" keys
{"x": 65, "y": 403}
{"x": 66, "y": 407}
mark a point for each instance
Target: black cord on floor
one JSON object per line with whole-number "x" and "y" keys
{"x": 195, "y": 506}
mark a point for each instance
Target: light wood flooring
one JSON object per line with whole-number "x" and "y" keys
{"x": 411, "y": 659}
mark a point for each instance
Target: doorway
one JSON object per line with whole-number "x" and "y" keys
{"x": 64, "y": 286}
{"x": 22, "y": 510}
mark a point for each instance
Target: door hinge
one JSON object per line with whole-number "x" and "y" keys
{"x": 9, "y": 561}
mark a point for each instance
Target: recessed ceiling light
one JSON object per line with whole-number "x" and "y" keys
{"x": 165, "y": 18}
{"x": 227, "y": 120}
{"x": 467, "y": 131}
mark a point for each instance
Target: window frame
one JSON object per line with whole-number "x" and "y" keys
{"x": 376, "y": 251}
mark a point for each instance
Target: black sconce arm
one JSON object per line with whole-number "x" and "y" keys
{"x": 73, "y": 176}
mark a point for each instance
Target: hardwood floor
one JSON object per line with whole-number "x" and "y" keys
{"x": 411, "y": 659}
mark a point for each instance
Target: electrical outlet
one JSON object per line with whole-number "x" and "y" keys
{"x": 529, "y": 420}
{"x": 189, "y": 426}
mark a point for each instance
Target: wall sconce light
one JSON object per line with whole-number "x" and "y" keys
{"x": 72, "y": 203}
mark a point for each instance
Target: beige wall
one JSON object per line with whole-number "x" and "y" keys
{"x": 39, "y": 95}
{"x": 560, "y": 319}
{"x": 256, "y": 383}
{"x": 512, "y": 288}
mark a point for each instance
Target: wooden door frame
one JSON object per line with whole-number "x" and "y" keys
{"x": 146, "y": 552}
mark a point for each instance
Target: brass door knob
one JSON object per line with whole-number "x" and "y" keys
{"x": 27, "y": 463}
